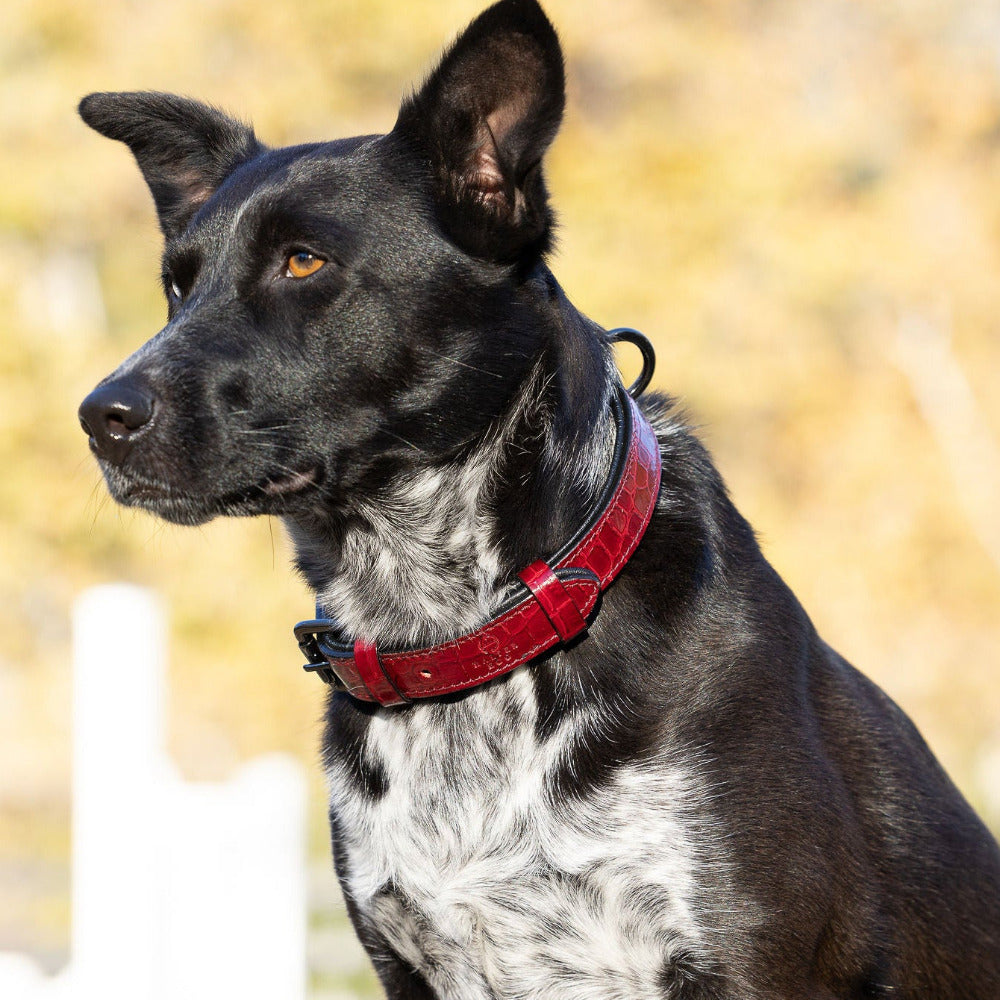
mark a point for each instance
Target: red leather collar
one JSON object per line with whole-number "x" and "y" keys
{"x": 550, "y": 605}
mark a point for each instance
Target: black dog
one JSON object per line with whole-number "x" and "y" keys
{"x": 696, "y": 798}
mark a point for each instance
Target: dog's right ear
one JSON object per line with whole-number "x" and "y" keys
{"x": 483, "y": 121}
{"x": 184, "y": 149}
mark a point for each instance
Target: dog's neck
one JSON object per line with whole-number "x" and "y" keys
{"x": 428, "y": 556}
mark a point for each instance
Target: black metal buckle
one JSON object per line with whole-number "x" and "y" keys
{"x": 307, "y": 634}
{"x": 640, "y": 340}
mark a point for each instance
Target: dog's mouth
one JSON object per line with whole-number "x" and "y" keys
{"x": 291, "y": 482}
{"x": 270, "y": 495}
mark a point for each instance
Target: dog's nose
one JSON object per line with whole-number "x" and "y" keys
{"x": 112, "y": 415}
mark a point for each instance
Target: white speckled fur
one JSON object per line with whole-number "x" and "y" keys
{"x": 420, "y": 560}
{"x": 489, "y": 885}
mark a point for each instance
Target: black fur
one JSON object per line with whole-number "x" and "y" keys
{"x": 433, "y": 335}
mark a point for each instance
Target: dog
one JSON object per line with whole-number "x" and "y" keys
{"x": 582, "y": 741}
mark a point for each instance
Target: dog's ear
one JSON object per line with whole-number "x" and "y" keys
{"x": 184, "y": 149}
{"x": 483, "y": 120}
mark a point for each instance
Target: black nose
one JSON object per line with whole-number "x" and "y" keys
{"x": 113, "y": 415}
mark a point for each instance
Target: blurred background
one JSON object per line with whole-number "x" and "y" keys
{"x": 797, "y": 200}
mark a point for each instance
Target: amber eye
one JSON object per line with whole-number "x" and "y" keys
{"x": 301, "y": 265}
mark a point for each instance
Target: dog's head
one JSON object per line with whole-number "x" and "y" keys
{"x": 333, "y": 308}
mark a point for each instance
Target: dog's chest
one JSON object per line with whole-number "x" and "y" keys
{"x": 491, "y": 883}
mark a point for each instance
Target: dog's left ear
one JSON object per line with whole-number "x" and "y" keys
{"x": 483, "y": 120}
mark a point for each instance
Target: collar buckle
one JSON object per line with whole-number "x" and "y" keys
{"x": 307, "y": 633}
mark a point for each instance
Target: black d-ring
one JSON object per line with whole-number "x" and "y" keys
{"x": 634, "y": 337}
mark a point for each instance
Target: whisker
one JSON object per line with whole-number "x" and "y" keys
{"x": 399, "y": 437}
{"x": 464, "y": 364}
{"x": 249, "y": 431}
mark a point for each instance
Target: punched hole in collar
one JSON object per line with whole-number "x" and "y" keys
{"x": 426, "y": 674}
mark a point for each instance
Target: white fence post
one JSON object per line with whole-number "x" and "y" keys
{"x": 119, "y": 771}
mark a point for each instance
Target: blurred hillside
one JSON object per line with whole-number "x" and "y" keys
{"x": 798, "y": 200}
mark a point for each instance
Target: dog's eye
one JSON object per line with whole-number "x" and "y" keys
{"x": 174, "y": 293}
{"x": 301, "y": 265}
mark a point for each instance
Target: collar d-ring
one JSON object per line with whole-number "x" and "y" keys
{"x": 640, "y": 340}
